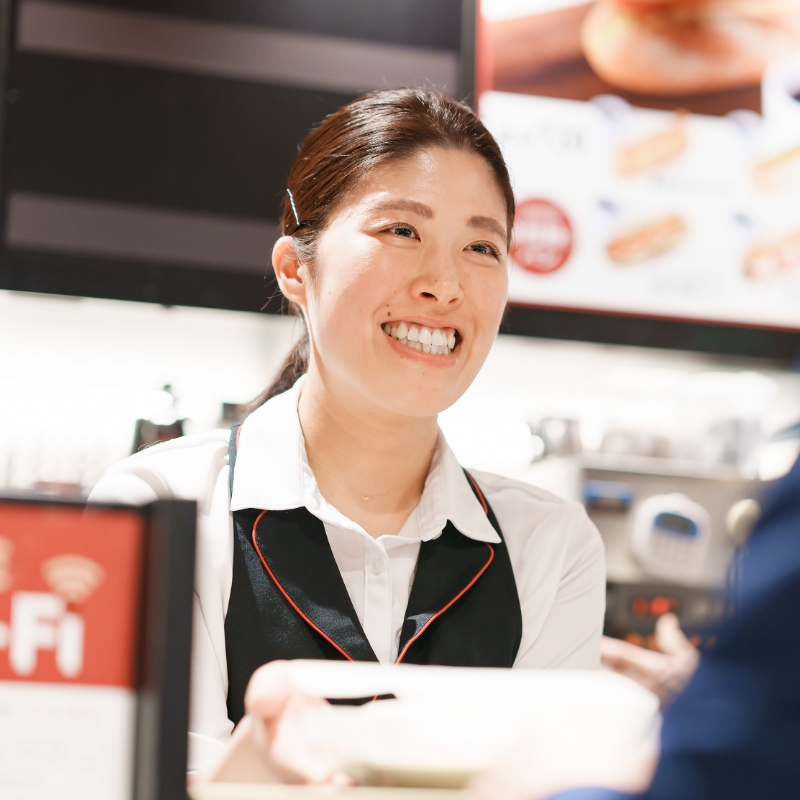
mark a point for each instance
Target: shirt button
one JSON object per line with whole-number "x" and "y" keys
{"x": 377, "y": 566}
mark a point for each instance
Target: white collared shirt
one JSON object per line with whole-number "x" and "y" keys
{"x": 555, "y": 551}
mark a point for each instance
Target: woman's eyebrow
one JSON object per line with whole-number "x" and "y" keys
{"x": 489, "y": 224}
{"x": 404, "y": 205}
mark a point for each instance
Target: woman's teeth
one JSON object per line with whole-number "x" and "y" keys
{"x": 436, "y": 341}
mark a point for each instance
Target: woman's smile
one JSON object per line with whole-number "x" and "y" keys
{"x": 436, "y": 341}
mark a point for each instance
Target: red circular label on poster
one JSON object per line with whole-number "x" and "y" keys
{"x": 542, "y": 236}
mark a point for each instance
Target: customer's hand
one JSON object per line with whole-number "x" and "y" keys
{"x": 273, "y": 743}
{"x": 665, "y": 671}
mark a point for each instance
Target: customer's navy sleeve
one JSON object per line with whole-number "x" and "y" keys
{"x": 595, "y": 794}
{"x": 734, "y": 732}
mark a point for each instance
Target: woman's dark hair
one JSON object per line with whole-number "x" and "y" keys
{"x": 346, "y": 146}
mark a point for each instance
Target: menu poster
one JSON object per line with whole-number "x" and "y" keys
{"x": 597, "y": 230}
{"x": 655, "y": 155}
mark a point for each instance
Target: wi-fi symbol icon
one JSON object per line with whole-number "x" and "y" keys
{"x": 74, "y": 578}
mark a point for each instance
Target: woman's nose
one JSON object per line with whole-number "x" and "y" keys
{"x": 439, "y": 281}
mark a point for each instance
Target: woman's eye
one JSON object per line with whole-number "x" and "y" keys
{"x": 403, "y": 230}
{"x": 483, "y": 249}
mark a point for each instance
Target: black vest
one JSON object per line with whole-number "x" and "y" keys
{"x": 288, "y": 599}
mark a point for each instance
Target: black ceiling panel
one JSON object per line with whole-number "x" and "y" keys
{"x": 115, "y": 154}
{"x": 106, "y": 131}
{"x": 415, "y": 23}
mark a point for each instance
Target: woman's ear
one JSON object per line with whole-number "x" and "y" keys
{"x": 291, "y": 273}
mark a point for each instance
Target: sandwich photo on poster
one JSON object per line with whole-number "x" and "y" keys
{"x": 654, "y": 147}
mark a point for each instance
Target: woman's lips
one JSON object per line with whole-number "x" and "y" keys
{"x": 435, "y": 341}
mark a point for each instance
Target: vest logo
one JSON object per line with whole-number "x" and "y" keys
{"x": 48, "y": 620}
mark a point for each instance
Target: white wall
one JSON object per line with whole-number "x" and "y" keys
{"x": 75, "y": 374}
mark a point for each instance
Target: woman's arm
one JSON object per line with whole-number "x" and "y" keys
{"x": 558, "y": 560}
{"x": 193, "y": 468}
{"x": 209, "y": 726}
{"x": 570, "y": 635}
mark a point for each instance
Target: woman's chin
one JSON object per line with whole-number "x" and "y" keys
{"x": 422, "y": 399}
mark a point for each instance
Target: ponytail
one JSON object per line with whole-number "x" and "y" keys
{"x": 295, "y": 365}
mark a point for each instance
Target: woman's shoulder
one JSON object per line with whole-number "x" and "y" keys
{"x": 525, "y": 512}
{"x": 505, "y": 490}
{"x": 184, "y": 468}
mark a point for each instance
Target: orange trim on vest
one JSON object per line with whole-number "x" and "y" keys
{"x": 439, "y": 613}
{"x": 424, "y": 627}
{"x": 480, "y": 493}
{"x": 284, "y": 593}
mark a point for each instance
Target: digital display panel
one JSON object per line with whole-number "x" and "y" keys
{"x": 652, "y": 179}
{"x": 676, "y": 523}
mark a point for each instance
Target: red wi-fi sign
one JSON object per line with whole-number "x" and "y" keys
{"x": 69, "y": 594}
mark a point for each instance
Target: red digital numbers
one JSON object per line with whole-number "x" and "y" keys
{"x": 644, "y": 607}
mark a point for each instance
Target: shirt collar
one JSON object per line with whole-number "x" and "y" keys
{"x": 272, "y": 472}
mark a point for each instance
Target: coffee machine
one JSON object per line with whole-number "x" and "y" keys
{"x": 670, "y": 532}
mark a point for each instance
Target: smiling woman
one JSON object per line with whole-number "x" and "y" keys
{"x": 385, "y": 129}
{"x": 335, "y": 521}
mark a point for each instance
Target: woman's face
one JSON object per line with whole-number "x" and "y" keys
{"x": 410, "y": 283}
